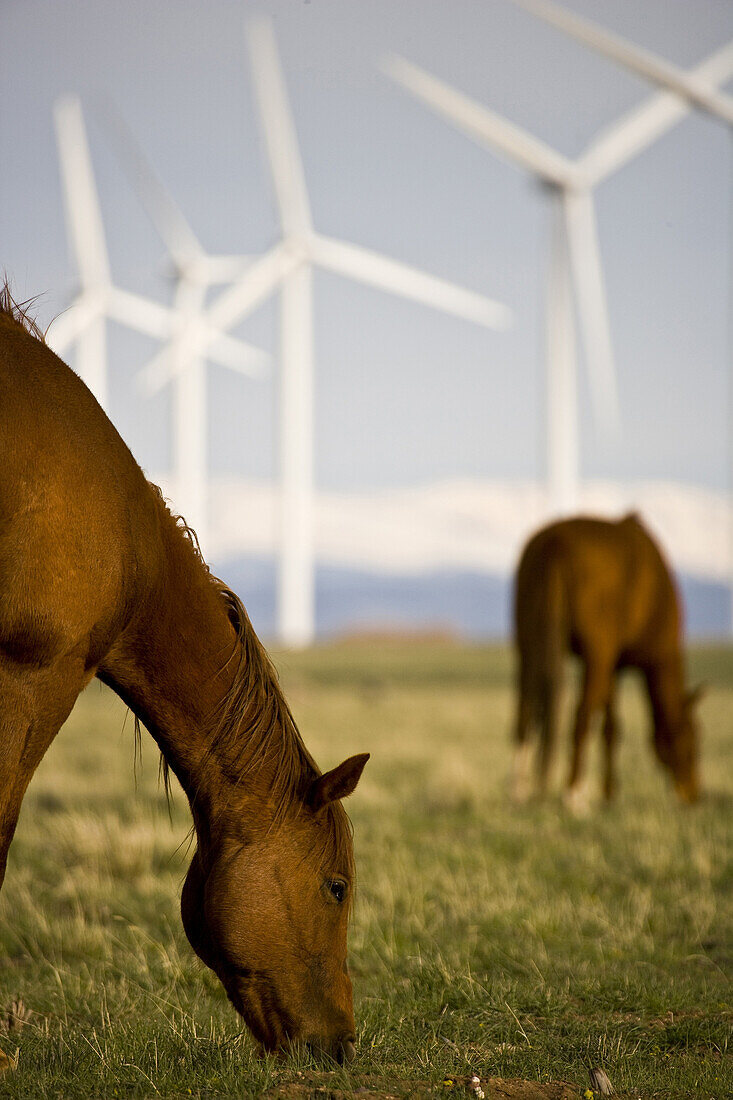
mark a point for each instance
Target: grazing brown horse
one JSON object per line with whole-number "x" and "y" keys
{"x": 97, "y": 578}
{"x": 602, "y": 591}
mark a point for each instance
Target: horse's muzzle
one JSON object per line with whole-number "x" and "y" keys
{"x": 342, "y": 1051}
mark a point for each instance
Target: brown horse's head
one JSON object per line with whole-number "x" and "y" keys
{"x": 678, "y": 749}
{"x": 267, "y": 909}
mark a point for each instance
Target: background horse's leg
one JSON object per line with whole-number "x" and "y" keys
{"x": 595, "y": 693}
{"x": 526, "y": 718}
{"x": 550, "y": 707}
{"x": 610, "y": 738}
{"x": 34, "y": 704}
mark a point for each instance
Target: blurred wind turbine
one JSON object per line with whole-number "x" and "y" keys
{"x": 697, "y": 88}
{"x": 98, "y": 300}
{"x": 575, "y": 263}
{"x": 288, "y": 265}
{"x": 698, "y": 91}
{"x": 193, "y": 271}
{"x": 85, "y": 322}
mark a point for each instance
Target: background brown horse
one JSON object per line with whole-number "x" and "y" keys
{"x": 98, "y": 578}
{"x": 604, "y": 592}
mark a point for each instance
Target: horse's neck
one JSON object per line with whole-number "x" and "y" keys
{"x": 174, "y": 665}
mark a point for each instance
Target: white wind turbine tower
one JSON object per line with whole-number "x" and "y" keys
{"x": 84, "y": 322}
{"x": 288, "y": 265}
{"x": 194, "y": 272}
{"x": 575, "y": 269}
{"x": 697, "y": 88}
{"x": 574, "y": 251}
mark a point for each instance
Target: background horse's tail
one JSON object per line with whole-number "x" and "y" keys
{"x": 541, "y": 626}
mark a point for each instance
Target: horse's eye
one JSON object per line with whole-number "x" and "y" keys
{"x": 337, "y": 888}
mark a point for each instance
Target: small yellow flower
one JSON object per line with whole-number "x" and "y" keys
{"x": 588, "y": 1095}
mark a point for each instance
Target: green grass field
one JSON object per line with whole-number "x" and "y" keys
{"x": 513, "y": 943}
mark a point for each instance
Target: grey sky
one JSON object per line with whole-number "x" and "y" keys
{"x": 403, "y": 394}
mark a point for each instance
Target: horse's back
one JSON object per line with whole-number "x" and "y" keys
{"x": 618, "y": 596}
{"x": 75, "y": 508}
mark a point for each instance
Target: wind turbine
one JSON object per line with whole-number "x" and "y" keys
{"x": 698, "y": 91}
{"x": 288, "y": 266}
{"x": 575, "y": 265}
{"x": 697, "y": 88}
{"x": 86, "y": 323}
{"x": 194, "y": 272}
{"x": 98, "y": 300}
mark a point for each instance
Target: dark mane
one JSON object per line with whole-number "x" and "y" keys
{"x": 254, "y": 725}
{"x": 256, "y": 711}
{"x": 19, "y": 312}
{"x": 269, "y": 733}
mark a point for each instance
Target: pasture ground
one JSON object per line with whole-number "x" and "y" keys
{"x": 517, "y": 944}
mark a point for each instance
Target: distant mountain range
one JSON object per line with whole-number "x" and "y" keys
{"x": 441, "y": 556}
{"x": 471, "y": 605}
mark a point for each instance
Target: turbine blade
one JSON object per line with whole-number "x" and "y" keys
{"x": 643, "y": 125}
{"x": 162, "y": 323}
{"x": 222, "y": 269}
{"x": 160, "y": 206}
{"x": 218, "y": 348}
{"x": 83, "y": 214}
{"x": 278, "y": 127}
{"x": 635, "y": 58}
{"x": 196, "y": 338}
{"x": 157, "y": 372}
{"x": 398, "y": 278}
{"x": 235, "y": 354}
{"x": 481, "y": 124}
{"x": 232, "y": 305}
{"x": 140, "y": 314}
{"x": 257, "y": 282}
{"x": 180, "y": 357}
{"x": 590, "y": 297}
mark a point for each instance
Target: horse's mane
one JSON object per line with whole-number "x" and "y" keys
{"x": 253, "y": 723}
{"x": 19, "y": 312}
{"x": 255, "y": 694}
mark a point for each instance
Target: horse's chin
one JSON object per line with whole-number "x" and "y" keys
{"x": 270, "y": 1029}
{"x": 278, "y": 1044}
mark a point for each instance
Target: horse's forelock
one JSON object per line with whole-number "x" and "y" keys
{"x": 19, "y": 312}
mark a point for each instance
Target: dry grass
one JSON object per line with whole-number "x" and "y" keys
{"x": 519, "y": 944}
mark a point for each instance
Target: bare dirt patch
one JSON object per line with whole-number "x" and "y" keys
{"x": 494, "y": 1088}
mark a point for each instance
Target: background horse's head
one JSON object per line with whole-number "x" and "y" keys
{"x": 677, "y": 748}
{"x": 267, "y": 909}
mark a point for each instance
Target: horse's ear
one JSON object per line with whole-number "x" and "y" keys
{"x": 693, "y": 697}
{"x": 337, "y": 783}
